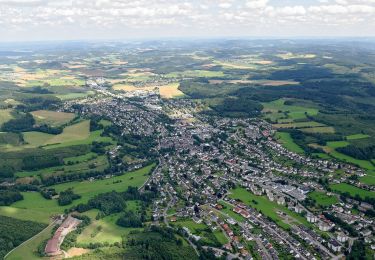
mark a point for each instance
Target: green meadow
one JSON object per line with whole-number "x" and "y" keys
{"x": 353, "y": 191}
{"x": 39, "y": 209}
{"x": 267, "y": 207}
{"x": 322, "y": 199}
{"x": 286, "y": 140}
{"x": 103, "y": 230}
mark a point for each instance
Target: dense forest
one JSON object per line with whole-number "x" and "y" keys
{"x": 13, "y": 232}
{"x": 157, "y": 243}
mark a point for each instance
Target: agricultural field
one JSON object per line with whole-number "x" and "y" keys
{"x": 83, "y": 163}
{"x": 74, "y": 134}
{"x": 170, "y": 91}
{"x": 52, "y": 118}
{"x": 277, "y": 109}
{"x": 195, "y": 74}
{"x": 5, "y": 115}
{"x": 166, "y": 91}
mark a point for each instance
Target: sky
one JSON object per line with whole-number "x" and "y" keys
{"x": 39, "y": 20}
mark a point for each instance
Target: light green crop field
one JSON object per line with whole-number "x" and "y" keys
{"x": 368, "y": 179}
{"x": 76, "y": 132}
{"x": 52, "y": 118}
{"x": 36, "y": 139}
{"x": 29, "y": 249}
{"x": 100, "y": 162}
{"x": 293, "y": 112}
{"x": 323, "y": 129}
{"x": 196, "y": 73}
{"x": 322, "y": 156}
{"x": 81, "y": 158}
{"x": 361, "y": 163}
{"x": 5, "y": 115}
{"x": 220, "y": 237}
{"x": 310, "y": 124}
{"x": 26, "y": 213}
{"x": 103, "y": 230}
{"x": 39, "y": 209}
{"x": 357, "y": 136}
{"x": 93, "y": 136}
{"x": 344, "y": 187}
{"x": 56, "y": 82}
{"x": 70, "y": 96}
{"x": 267, "y": 207}
{"x": 71, "y": 134}
{"x": 89, "y": 189}
{"x": 337, "y": 144}
{"x": 322, "y": 199}
{"x": 286, "y": 140}
{"x": 191, "y": 225}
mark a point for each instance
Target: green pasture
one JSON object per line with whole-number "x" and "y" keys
{"x": 323, "y": 199}
{"x": 103, "y": 230}
{"x": 287, "y": 141}
{"x": 353, "y": 191}
{"x": 267, "y": 207}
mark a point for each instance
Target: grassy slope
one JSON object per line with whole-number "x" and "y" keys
{"x": 288, "y": 142}
{"x": 344, "y": 187}
{"x": 267, "y": 207}
{"x": 109, "y": 231}
{"x": 35, "y": 207}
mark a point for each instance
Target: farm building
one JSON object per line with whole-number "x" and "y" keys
{"x": 53, "y": 245}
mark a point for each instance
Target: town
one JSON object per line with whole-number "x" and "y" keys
{"x": 230, "y": 174}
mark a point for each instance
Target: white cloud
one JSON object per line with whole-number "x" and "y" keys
{"x": 184, "y": 17}
{"x": 255, "y": 4}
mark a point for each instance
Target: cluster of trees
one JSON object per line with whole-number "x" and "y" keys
{"x": 66, "y": 197}
{"x": 135, "y": 145}
{"x": 351, "y": 230}
{"x": 37, "y": 161}
{"x": 239, "y": 107}
{"x": 115, "y": 202}
{"x": 48, "y": 193}
{"x": 22, "y": 123}
{"x": 157, "y": 243}
{"x": 37, "y": 158}
{"x": 13, "y": 232}
{"x": 358, "y": 251}
{"x": 130, "y": 219}
{"x": 99, "y": 147}
{"x": 8, "y": 197}
{"x": 94, "y": 123}
{"x": 39, "y": 102}
{"x": 361, "y": 153}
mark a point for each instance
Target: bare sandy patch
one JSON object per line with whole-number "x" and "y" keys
{"x": 76, "y": 251}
